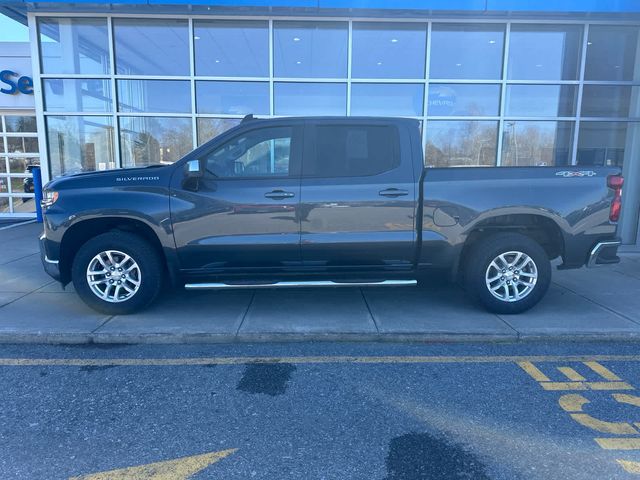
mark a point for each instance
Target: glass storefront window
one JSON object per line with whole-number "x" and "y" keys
{"x": 393, "y": 50}
{"x": 209, "y": 128}
{"x": 82, "y": 95}
{"x": 541, "y": 100}
{"x": 386, "y": 99}
{"x": 18, "y": 156}
{"x": 79, "y": 143}
{"x": 22, "y": 144}
{"x": 461, "y": 143}
{"x": 463, "y": 99}
{"x": 466, "y": 51}
{"x": 544, "y": 52}
{"x": 610, "y": 101}
{"x": 153, "y": 140}
{"x": 18, "y": 165}
{"x": 154, "y": 96}
{"x": 20, "y": 124}
{"x": 226, "y": 48}
{"x": 611, "y": 53}
{"x": 310, "y": 49}
{"x": 310, "y": 98}
{"x": 536, "y": 144}
{"x": 74, "y": 45}
{"x": 615, "y": 144}
{"x": 602, "y": 143}
{"x": 237, "y": 98}
{"x": 151, "y": 46}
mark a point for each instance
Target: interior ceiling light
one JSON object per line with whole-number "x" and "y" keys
{"x": 296, "y": 39}
{"x": 394, "y": 40}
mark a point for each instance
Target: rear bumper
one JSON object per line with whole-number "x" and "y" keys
{"x": 52, "y": 267}
{"x": 604, "y": 253}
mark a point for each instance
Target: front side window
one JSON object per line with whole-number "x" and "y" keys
{"x": 353, "y": 151}
{"x": 259, "y": 153}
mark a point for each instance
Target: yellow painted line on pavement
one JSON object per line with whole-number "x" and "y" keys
{"x": 534, "y": 371}
{"x": 571, "y": 374}
{"x": 602, "y": 371}
{"x": 629, "y": 466}
{"x": 572, "y": 402}
{"x": 628, "y": 399}
{"x": 619, "y": 443}
{"x": 586, "y": 386}
{"x": 616, "y": 428}
{"x": 179, "y": 469}
{"x": 187, "y": 361}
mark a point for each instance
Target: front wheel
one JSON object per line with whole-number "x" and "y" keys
{"x": 117, "y": 273}
{"x": 507, "y": 273}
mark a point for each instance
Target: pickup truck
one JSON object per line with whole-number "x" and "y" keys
{"x": 294, "y": 202}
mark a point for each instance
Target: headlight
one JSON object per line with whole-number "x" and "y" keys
{"x": 49, "y": 197}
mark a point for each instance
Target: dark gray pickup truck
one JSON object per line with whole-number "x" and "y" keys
{"x": 294, "y": 202}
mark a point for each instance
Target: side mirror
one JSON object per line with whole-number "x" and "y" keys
{"x": 194, "y": 169}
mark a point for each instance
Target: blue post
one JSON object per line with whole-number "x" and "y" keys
{"x": 37, "y": 190}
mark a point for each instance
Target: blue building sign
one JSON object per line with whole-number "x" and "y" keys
{"x": 13, "y": 83}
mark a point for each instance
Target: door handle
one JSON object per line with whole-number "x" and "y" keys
{"x": 279, "y": 195}
{"x": 393, "y": 192}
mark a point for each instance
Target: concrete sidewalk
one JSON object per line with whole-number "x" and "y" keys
{"x": 600, "y": 303}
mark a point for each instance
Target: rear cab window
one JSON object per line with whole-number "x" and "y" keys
{"x": 351, "y": 150}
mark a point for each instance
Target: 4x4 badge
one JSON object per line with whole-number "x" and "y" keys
{"x": 576, "y": 173}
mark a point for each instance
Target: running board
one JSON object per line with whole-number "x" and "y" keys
{"x": 319, "y": 283}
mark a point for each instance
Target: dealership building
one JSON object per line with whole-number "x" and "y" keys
{"x": 94, "y": 85}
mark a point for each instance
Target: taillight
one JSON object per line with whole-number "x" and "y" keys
{"x": 615, "y": 183}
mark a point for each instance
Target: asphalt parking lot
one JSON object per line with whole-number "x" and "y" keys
{"x": 370, "y": 411}
{"x": 602, "y": 303}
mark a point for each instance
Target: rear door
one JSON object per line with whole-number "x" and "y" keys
{"x": 358, "y": 196}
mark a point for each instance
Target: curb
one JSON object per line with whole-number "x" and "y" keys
{"x": 213, "y": 338}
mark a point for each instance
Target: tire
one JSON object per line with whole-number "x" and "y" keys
{"x": 484, "y": 263}
{"x": 140, "y": 284}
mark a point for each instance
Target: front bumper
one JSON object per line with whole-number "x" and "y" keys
{"x": 604, "y": 253}
{"x": 52, "y": 267}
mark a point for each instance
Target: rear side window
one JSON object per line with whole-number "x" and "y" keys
{"x": 352, "y": 151}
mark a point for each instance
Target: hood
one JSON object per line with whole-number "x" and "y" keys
{"x": 149, "y": 175}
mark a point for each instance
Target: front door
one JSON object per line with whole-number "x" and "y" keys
{"x": 243, "y": 213}
{"x": 358, "y": 203}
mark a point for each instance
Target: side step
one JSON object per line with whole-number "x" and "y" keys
{"x": 313, "y": 283}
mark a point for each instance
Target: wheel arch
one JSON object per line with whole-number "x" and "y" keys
{"x": 79, "y": 233}
{"x": 542, "y": 229}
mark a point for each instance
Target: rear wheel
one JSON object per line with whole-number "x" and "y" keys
{"x": 507, "y": 273}
{"x": 117, "y": 273}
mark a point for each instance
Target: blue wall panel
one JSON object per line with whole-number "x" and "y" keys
{"x": 546, "y": 6}
{"x": 601, "y": 6}
{"x": 463, "y": 5}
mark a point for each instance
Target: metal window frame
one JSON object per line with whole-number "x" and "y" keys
{"x": 5, "y": 155}
{"x": 426, "y": 80}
